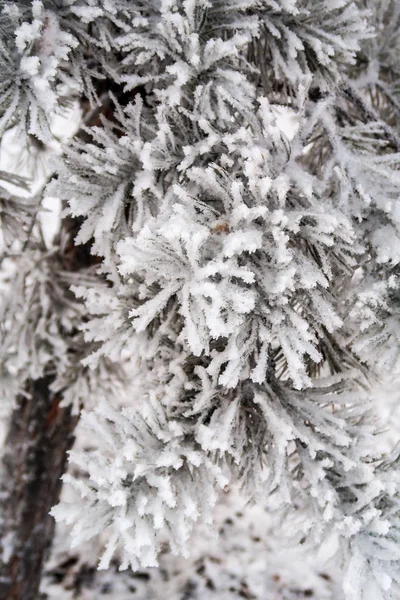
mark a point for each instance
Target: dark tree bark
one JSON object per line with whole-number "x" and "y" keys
{"x": 40, "y": 434}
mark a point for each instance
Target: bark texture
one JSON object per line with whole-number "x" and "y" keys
{"x": 40, "y": 434}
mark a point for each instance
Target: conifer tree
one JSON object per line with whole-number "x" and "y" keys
{"x": 239, "y": 286}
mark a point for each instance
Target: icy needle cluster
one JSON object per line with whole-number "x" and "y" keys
{"x": 247, "y": 279}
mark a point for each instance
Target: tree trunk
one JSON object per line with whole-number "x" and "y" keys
{"x": 40, "y": 434}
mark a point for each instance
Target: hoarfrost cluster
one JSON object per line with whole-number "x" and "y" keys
{"x": 239, "y": 287}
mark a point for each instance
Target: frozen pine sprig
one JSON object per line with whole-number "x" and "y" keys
{"x": 370, "y": 546}
{"x": 290, "y": 455}
{"x": 377, "y": 70}
{"x": 80, "y": 386}
{"x": 300, "y": 38}
{"x": 376, "y": 311}
{"x": 32, "y": 49}
{"x": 149, "y": 483}
{"x": 16, "y": 216}
{"x": 174, "y": 47}
{"x": 39, "y": 314}
{"x": 103, "y": 179}
{"x": 234, "y": 271}
{"x": 245, "y": 279}
{"x": 359, "y": 515}
{"x": 236, "y": 281}
{"x": 40, "y": 334}
{"x": 361, "y": 166}
{"x": 150, "y": 450}
{"x": 51, "y": 52}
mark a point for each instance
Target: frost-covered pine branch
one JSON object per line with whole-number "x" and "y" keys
{"x": 245, "y": 279}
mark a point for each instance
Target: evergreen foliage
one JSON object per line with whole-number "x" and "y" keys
{"x": 243, "y": 291}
